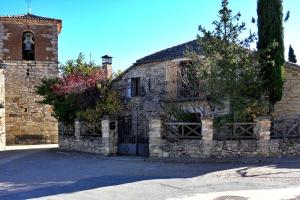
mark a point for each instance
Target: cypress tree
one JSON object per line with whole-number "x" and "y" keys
{"x": 271, "y": 47}
{"x": 292, "y": 56}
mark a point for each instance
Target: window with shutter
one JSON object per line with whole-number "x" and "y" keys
{"x": 128, "y": 88}
{"x": 134, "y": 87}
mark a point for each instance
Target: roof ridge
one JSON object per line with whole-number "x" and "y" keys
{"x": 169, "y": 53}
{"x": 27, "y": 16}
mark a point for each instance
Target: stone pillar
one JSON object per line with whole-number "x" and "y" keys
{"x": 263, "y": 127}
{"x": 298, "y": 126}
{"x": 109, "y": 136}
{"x": 77, "y": 129}
{"x": 155, "y": 137}
{"x": 262, "y": 130}
{"x": 207, "y": 135}
{"x": 2, "y": 111}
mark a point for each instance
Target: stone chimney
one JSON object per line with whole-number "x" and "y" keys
{"x": 107, "y": 65}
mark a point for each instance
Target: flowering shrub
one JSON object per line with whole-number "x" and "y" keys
{"x": 78, "y": 82}
{"x": 81, "y": 92}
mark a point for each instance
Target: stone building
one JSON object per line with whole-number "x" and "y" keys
{"x": 289, "y": 106}
{"x": 153, "y": 82}
{"x": 29, "y": 51}
{"x": 147, "y": 88}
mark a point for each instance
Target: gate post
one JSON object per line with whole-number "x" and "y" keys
{"x": 207, "y": 135}
{"x": 298, "y": 129}
{"x": 2, "y": 132}
{"x": 262, "y": 130}
{"x": 155, "y": 139}
{"x": 109, "y": 136}
{"x": 2, "y": 140}
{"x": 2, "y": 111}
{"x": 77, "y": 129}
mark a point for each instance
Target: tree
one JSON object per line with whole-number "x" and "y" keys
{"x": 228, "y": 69}
{"x": 292, "y": 56}
{"x": 271, "y": 47}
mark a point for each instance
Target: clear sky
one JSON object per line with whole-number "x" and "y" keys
{"x": 131, "y": 29}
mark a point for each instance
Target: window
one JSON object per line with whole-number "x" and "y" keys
{"x": 189, "y": 85}
{"x": 28, "y": 46}
{"x": 149, "y": 85}
{"x": 27, "y": 74}
{"x": 133, "y": 87}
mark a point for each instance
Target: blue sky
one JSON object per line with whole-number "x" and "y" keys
{"x": 131, "y": 29}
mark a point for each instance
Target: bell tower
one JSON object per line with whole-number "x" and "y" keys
{"x": 29, "y": 50}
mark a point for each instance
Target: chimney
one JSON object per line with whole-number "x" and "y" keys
{"x": 107, "y": 65}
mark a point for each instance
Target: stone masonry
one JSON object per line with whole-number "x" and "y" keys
{"x": 209, "y": 148}
{"x": 148, "y": 103}
{"x": 105, "y": 144}
{"x": 27, "y": 121}
{"x": 289, "y": 106}
{"x": 2, "y": 110}
{"x": 159, "y": 84}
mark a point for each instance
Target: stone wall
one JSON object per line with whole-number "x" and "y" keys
{"x": 289, "y": 106}
{"x": 27, "y": 121}
{"x": 209, "y": 148}
{"x": 2, "y": 111}
{"x": 105, "y": 143}
{"x": 81, "y": 144}
{"x": 229, "y": 149}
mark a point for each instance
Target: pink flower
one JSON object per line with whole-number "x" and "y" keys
{"x": 77, "y": 82}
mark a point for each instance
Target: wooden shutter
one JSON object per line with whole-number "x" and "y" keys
{"x": 128, "y": 88}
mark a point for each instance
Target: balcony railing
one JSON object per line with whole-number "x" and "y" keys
{"x": 177, "y": 92}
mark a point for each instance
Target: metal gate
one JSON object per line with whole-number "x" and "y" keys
{"x": 133, "y": 140}
{"x": 142, "y": 135}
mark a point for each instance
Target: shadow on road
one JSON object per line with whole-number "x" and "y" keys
{"x": 51, "y": 172}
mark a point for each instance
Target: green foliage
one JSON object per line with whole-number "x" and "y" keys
{"x": 45, "y": 90}
{"x": 271, "y": 47}
{"x": 292, "y": 56}
{"x": 175, "y": 113}
{"x": 64, "y": 108}
{"x": 229, "y": 69}
{"x": 220, "y": 120}
{"x": 78, "y": 65}
{"x": 107, "y": 106}
{"x": 89, "y": 105}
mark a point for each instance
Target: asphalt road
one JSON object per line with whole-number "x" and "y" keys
{"x": 52, "y": 174}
